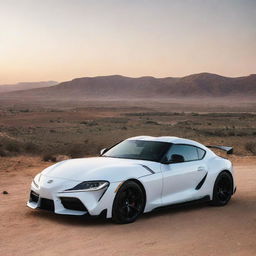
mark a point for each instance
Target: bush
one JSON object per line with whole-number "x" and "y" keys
{"x": 151, "y": 122}
{"x": 76, "y": 150}
{"x": 89, "y": 123}
{"x": 24, "y": 110}
{"x": 30, "y": 147}
{"x": 13, "y": 146}
{"x": 3, "y": 153}
{"x": 251, "y": 147}
{"x": 92, "y": 123}
{"x": 49, "y": 158}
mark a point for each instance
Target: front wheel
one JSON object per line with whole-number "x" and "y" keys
{"x": 129, "y": 203}
{"x": 223, "y": 189}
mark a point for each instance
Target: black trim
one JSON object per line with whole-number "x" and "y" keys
{"x": 229, "y": 150}
{"x": 201, "y": 200}
{"x": 103, "y": 194}
{"x": 198, "y": 153}
{"x": 34, "y": 197}
{"x": 47, "y": 204}
{"x": 73, "y": 203}
{"x": 148, "y": 169}
{"x": 200, "y": 184}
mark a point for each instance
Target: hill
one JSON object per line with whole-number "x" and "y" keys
{"x": 25, "y": 86}
{"x": 116, "y": 86}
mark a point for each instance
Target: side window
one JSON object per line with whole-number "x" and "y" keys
{"x": 201, "y": 153}
{"x": 188, "y": 152}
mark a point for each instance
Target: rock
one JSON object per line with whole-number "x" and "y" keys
{"x": 5, "y": 192}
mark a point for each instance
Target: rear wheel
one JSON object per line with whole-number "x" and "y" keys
{"x": 223, "y": 189}
{"x": 129, "y": 203}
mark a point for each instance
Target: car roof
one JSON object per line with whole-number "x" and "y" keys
{"x": 170, "y": 139}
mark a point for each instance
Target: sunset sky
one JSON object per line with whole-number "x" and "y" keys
{"x": 64, "y": 39}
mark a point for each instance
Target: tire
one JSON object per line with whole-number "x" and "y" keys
{"x": 223, "y": 189}
{"x": 129, "y": 203}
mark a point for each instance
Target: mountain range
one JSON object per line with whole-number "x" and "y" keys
{"x": 117, "y": 86}
{"x": 25, "y": 86}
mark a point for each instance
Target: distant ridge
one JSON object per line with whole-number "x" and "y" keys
{"x": 117, "y": 86}
{"x": 25, "y": 86}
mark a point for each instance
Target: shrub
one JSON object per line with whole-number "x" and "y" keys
{"x": 49, "y": 158}
{"x": 13, "y": 146}
{"x": 30, "y": 147}
{"x": 89, "y": 123}
{"x": 151, "y": 122}
{"x": 3, "y": 152}
{"x": 76, "y": 150}
{"x": 92, "y": 123}
{"x": 251, "y": 147}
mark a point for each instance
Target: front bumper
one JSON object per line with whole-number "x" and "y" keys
{"x": 50, "y": 196}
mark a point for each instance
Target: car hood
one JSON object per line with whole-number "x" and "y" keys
{"x": 101, "y": 168}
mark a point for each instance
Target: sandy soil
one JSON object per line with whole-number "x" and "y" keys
{"x": 193, "y": 230}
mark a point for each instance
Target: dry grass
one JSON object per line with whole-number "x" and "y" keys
{"x": 82, "y": 130}
{"x": 251, "y": 147}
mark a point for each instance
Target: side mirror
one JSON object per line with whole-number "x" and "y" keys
{"x": 177, "y": 158}
{"x": 104, "y": 150}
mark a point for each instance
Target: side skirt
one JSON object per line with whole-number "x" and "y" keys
{"x": 197, "y": 201}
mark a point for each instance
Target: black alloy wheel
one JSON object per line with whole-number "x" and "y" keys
{"x": 223, "y": 189}
{"x": 129, "y": 203}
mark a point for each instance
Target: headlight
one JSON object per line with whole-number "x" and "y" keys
{"x": 89, "y": 186}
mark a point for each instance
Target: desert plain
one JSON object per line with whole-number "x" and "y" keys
{"x": 34, "y": 134}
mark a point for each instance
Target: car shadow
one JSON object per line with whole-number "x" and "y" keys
{"x": 69, "y": 219}
{"x": 174, "y": 209}
{"x": 102, "y": 221}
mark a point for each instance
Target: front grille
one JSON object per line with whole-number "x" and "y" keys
{"x": 47, "y": 204}
{"x": 72, "y": 203}
{"x": 33, "y": 196}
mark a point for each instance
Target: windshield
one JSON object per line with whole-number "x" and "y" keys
{"x": 139, "y": 149}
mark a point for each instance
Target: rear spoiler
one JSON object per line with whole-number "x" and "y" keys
{"x": 229, "y": 150}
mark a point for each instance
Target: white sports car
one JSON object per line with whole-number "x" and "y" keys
{"x": 135, "y": 176}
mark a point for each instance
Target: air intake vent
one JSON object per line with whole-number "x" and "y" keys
{"x": 72, "y": 203}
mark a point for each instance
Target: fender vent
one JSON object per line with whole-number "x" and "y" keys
{"x": 200, "y": 184}
{"x": 147, "y": 168}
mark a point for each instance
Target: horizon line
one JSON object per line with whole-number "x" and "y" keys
{"x": 135, "y": 77}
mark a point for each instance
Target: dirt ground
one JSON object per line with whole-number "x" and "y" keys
{"x": 191, "y": 230}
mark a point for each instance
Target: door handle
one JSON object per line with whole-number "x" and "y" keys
{"x": 201, "y": 169}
